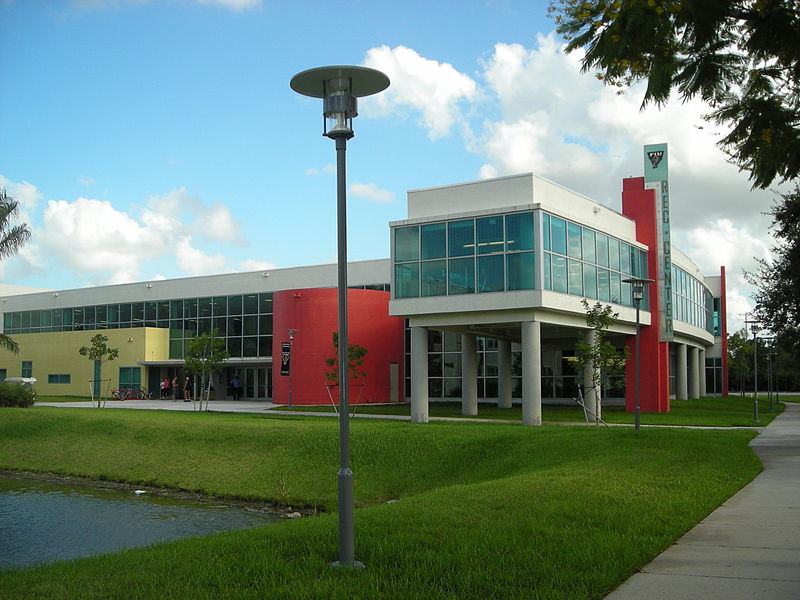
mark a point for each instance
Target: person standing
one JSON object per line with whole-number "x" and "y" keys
{"x": 174, "y": 387}
{"x": 236, "y": 387}
{"x": 187, "y": 390}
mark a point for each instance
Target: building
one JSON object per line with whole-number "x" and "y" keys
{"x": 481, "y": 298}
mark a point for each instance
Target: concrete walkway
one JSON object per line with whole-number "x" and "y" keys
{"x": 748, "y": 548}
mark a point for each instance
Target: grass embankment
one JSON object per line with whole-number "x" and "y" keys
{"x": 483, "y": 510}
{"x": 733, "y": 411}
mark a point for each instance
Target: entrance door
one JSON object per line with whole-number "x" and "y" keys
{"x": 254, "y": 383}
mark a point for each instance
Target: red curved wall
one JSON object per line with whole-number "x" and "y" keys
{"x": 313, "y": 314}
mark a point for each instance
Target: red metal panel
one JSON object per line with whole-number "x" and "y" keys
{"x": 313, "y": 314}
{"x": 639, "y": 204}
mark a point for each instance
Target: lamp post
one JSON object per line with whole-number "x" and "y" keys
{"x": 291, "y": 371}
{"x": 755, "y": 327}
{"x": 339, "y": 87}
{"x": 637, "y": 293}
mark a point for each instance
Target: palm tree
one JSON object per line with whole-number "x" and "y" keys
{"x": 12, "y": 238}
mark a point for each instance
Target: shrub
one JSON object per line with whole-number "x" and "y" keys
{"x": 14, "y": 394}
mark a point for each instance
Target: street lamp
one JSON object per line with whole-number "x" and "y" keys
{"x": 291, "y": 372}
{"x": 637, "y": 293}
{"x": 339, "y": 87}
{"x": 755, "y": 327}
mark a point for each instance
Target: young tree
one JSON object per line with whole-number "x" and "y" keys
{"x": 739, "y": 56}
{"x": 205, "y": 355}
{"x": 777, "y": 281}
{"x": 99, "y": 351}
{"x": 602, "y": 359}
{"x": 12, "y": 238}
{"x": 355, "y": 362}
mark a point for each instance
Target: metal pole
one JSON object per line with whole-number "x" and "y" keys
{"x": 755, "y": 376}
{"x": 291, "y": 371}
{"x": 769, "y": 377}
{"x": 346, "y": 534}
{"x": 638, "y": 380}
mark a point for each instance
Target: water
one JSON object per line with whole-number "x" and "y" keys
{"x": 44, "y": 522}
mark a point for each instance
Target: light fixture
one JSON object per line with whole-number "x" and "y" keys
{"x": 339, "y": 87}
{"x": 637, "y": 293}
{"x": 148, "y": 285}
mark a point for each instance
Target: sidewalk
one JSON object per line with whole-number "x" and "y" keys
{"x": 748, "y": 548}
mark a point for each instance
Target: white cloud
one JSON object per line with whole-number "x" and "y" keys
{"x": 255, "y": 265}
{"x": 371, "y": 192}
{"x": 195, "y": 262}
{"x": 236, "y": 5}
{"x": 425, "y": 86}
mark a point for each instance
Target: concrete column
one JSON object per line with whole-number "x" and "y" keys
{"x": 681, "y": 375}
{"x": 419, "y": 375}
{"x": 531, "y": 373}
{"x": 504, "y": 373}
{"x": 694, "y": 372}
{"x": 469, "y": 375}
{"x": 702, "y": 358}
{"x": 590, "y": 399}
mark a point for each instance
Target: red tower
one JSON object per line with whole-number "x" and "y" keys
{"x": 312, "y": 315}
{"x": 639, "y": 204}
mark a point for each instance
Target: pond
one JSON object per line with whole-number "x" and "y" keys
{"x": 42, "y": 521}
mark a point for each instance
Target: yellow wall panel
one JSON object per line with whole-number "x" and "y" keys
{"x": 57, "y": 353}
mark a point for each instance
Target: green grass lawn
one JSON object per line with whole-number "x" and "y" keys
{"x": 481, "y": 510}
{"x": 732, "y": 411}
{"x": 63, "y": 399}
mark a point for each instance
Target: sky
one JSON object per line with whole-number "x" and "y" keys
{"x": 158, "y": 139}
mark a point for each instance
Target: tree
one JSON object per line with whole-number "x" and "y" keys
{"x": 355, "y": 361}
{"x": 777, "y": 281}
{"x": 205, "y": 355}
{"x": 740, "y": 358}
{"x": 739, "y": 56}
{"x": 99, "y": 351}
{"x": 601, "y": 358}
{"x": 12, "y": 238}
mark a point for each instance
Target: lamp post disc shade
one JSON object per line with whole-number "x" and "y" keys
{"x": 365, "y": 81}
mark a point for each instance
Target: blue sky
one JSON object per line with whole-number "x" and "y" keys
{"x": 153, "y": 139}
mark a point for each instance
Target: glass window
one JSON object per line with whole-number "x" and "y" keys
{"x": 589, "y": 254}
{"x": 574, "y": 240}
{"x": 434, "y": 278}
{"x": 521, "y": 270}
{"x": 251, "y": 304}
{"x": 204, "y": 326}
{"x": 203, "y": 307}
{"x": 546, "y": 230}
{"x": 137, "y": 312}
{"x": 234, "y": 305}
{"x": 613, "y": 253}
{"x": 150, "y": 311}
{"x": 130, "y": 377}
{"x": 491, "y": 276}
{"x": 547, "y": 281}
{"x": 575, "y": 277}
{"x": 124, "y": 313}
{"x": 490, "y": 234}
{"x": 219, "y": 326}
{"x": 250, "y": 346}
{"x": 27, "y": 368}
{"x": 603, "y": 285}
{"x": 176, "y": 348}
{"x": 635, "y": 262}
{"x": 250, "y": 325}
{"x": 235, "y": 326}
{"x": 8, "y": 321}
{"x": 559, "y": 275}
{"x": 265, "y": 302}
{"x": 452, "y": 364}
{"x": 602, "y": 250}
{"x": 519, "y": 231}
{"x": 265, "y": 345}
{"x": 558, "y": 237}
{"x": 434, "y": 243}
{"x": 406, "y": 280}
{"x": 452, "y": 341}
{"x": 624, "y": 258}
{"x": 461, "y": 276}
{"x": 235, "y": 347}
{"x": 461, "y": 237}
{"x": 590, "y": 281}
{"x": 66, "y": 316}
{"x": 58, "y": 378}
{"x": 616, "y": 287}
{"x": 264, "y": 324}
{"x": 176, "y": 309}
{"x": 36, "y": 318}
{"x": 406, "y": 243}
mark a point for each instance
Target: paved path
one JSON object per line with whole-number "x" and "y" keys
{"x": 748, "y": 548}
